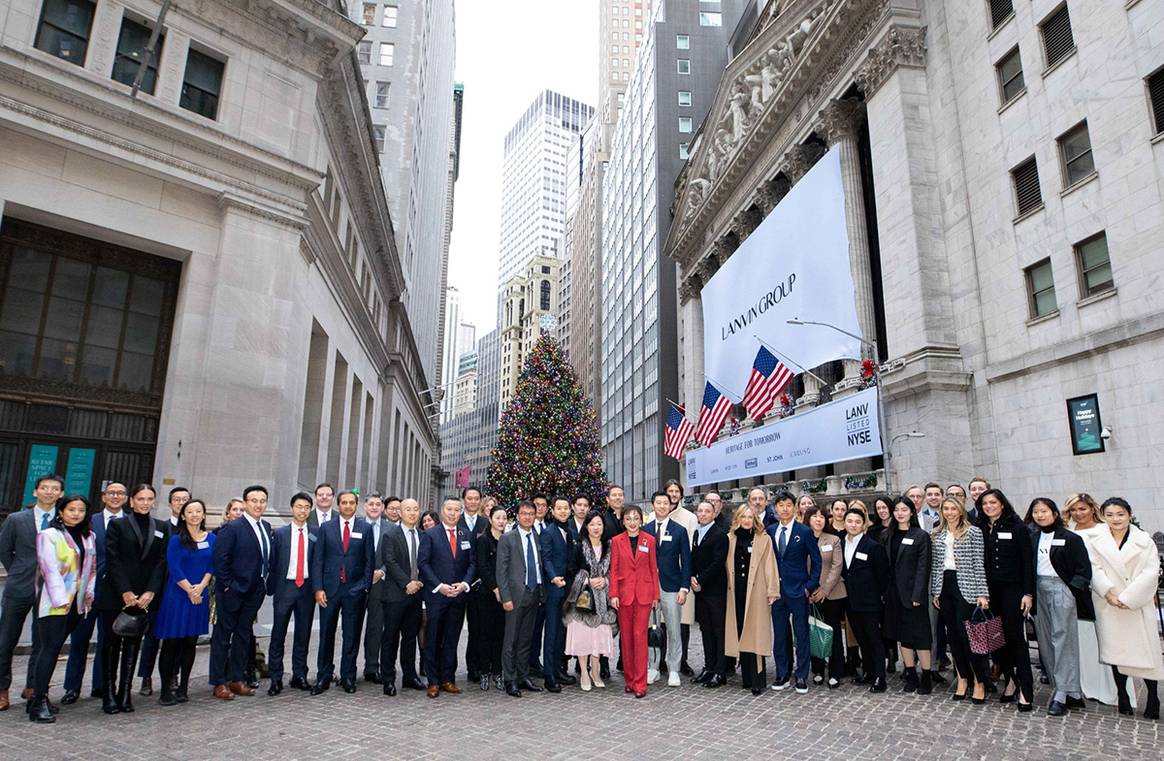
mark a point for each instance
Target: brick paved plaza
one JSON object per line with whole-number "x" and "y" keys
{"x": 670, "y": 723}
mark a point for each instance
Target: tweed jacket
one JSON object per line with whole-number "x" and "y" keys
{"x": 969, "y": 559}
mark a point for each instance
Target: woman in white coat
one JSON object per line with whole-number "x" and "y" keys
{"x": 1125, "y": 570}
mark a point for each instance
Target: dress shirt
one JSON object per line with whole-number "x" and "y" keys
{"x": 322, "y": 516}
{"x": 264, "y": 541}
{"x": 412, "y": 539}
{"x": 376, "y": 528}
{"x": 851, "y": 543}
{"x": 298, "y": 534}
{"x": 929, "y": 518}
{"x": 110, "y": 517}
{"x": 527, "y": 538}
{"x": 701, "y": 533}
{"x": 786, "y": 529}
{"x": 445, "y": 530}
{"x": 471, "y": 522}
{"x": 174, "y": 521}
{"x": 39, "y": 515}
{"x": 538, "y": 526}
{"x": 1044, "y": 554}
{"x": 949, "y": 564}
{"x": 578, "y": 526}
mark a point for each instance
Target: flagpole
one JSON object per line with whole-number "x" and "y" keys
{"x": 804, "y": 369}
{"x": 721, "y": 388}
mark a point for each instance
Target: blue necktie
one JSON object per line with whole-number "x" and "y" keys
{"x": 44, "y": 521}
{"x": 266, "y": 550}
{"x": 531, "y": 571}
{"x": 783, "y": 539}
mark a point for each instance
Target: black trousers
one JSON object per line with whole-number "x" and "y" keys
{"x": 445, "y": 617}
{"x": 867, "y": 627}
{"x": 490, "y": 635}
{"x": 13, "y": 611}
{"x": 710, "y": 612}
{"x": 300, "y": 605}
{"x": 473, "y": 607}
{"x": 149, "y": 645}
{"x": 233, "y": 636}
{"x": 518, "y": 636}
{"x": 955, "y": 612}
{"x": 753, "y": 674}
{"x": 832, "y": 611}
{"x": 401, "y": 627}
{"x": 374, "y": 627}
{"x": 352, "y": 606}
{"x": 1014, "y": 659}
{"x": 51, "y": 631}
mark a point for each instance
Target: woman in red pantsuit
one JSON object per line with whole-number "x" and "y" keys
{"x": 634, "y": 589}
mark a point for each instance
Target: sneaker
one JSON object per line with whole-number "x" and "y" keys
{"x": 801, "y": 687}
{"x": 673, "y": 679}
{"x": 833, "y": 683}
{"x": 780, "y": 684}
{"x": 652, "y": 676}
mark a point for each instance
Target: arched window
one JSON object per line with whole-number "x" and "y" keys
{"x": 545, "y": 295}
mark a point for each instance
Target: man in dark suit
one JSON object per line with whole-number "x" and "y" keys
{"x": 242, "y": 560}
{"x": 541, "y": 511}
{"x": 866, "y": 574}
{"x": 18, "y": 554}
{"x": 374, "y": 616}
{"x": 612, "y": 512}
{"x": 673, "y": 556}
{"x": 398, "y": 560}
{"x": 289, "y": 584}
{"x": 341, "y": 572}
{"x": 476, "y": 524}
{"x": 113, "y": 499}
{"x": 324, "y": 499}
{"x": 709, "y": 582}
{"x": 723, "y": 515}
{"x": 557, "y": 547}
{"x": 519, "y": 584}
{"x": 798, "y": 559}
{"x": 447, "y": 568}
{"x": 179, "y": 496}
{"x": 579, "y": 507}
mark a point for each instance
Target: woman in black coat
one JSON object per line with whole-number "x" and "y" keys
{"x": 1010, "y": 578}
{"x": 492, "y": 619}
{"x": 866, "y": 574}
{"x": 135, "y": 569}
{"x": 907, "y": 618}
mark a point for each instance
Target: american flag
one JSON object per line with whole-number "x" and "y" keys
{"x": 713, "y": 414}
{"x": 769, "y": 377}
{"x": 678, "y": 432}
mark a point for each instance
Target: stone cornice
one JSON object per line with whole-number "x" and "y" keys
{"x": 900, "y": 46}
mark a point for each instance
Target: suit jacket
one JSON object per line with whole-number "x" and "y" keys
{"x": 18, "y": 554}
{"x": 330, "y": 558}
{"x": 313, "y": 519}
{"x": 394, "y": 560}
{"x": 867, "y": 576}
{"x": 480, "y": 526}
{"x": 911, "y": 571}
{"x": 64, "y": 577}
{"x": 281, "y": 561}
{"x": 968, "y": 560}
{"x": 1010, "y": 561}
{"x": 800, "y": 562}
{"x": 707, "y": 562}
{"x": 511, "y": 568}
{"x": 634, "y": 571}
{"x": 238, "y": 559}
{"x": 1072, "y": 564}
{"x": 572, "y": 528}
{"x": 135, "y": 561}
{"x": 673, "y": 554}
{"x": 555, "y": 551}
{"x": 832, "y": 558}
{"x": 97, "y": 525}
{"x": 610, "y": 524}
{"x": 438, "y": 565}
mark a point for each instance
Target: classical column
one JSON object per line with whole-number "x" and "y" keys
{"x": 691, "y": 314}
{"x": 839, "y": 124}
{"x": 796, "y": 163}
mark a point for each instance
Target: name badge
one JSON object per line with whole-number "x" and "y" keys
{"x": 159, "y": 534}
{"x": 204, "y": 545}
{"x": 644, "y": 548}
{"x": 1005, "y": 535}
{"x": 665, "y": 538}
{"x": 907, "y": 540}
{"x": 311, "y": 537}
{"x": 1058, "y": 542}
{"x": 861, "y": 556}
{"x": 464, "y": 545}
{"x": 357, "y": 535}
{"x": 827, "y": 548}
{"x": 749, "y": 549}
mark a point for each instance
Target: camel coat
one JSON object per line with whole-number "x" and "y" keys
{"x": 1128, "y": 639}
{"x": 763, "y": 582}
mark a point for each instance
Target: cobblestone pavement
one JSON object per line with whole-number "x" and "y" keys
{"x": 670, "y": 723}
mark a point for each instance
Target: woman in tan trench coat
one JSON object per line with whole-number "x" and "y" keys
{"x": 753, "y": 584}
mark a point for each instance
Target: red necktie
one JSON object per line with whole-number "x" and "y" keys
{"x": 453, "y": 542}
{"x": 347, "y": 541}
{"x": 299, "y": 560}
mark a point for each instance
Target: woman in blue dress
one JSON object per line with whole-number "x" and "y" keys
{"x": 185, "y": 612}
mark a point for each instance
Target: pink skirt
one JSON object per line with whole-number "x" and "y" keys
{"x": 583, "y": 640}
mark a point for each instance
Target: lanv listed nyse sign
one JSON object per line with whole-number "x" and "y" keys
{"x": 845, "y": 429}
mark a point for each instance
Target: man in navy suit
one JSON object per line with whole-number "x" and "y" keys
{"x": 473, "y": 519}
{"x": 289, "y": 584}
{"x": 341, "y": 574}
{"x": 673, "y": 556}
{"x": 798, "y": 558}
{"x": 447, "y": 568}
{"x": 242, "y": 560}
{"x": 557, "y": 546}
{"x": 113, "y": 499}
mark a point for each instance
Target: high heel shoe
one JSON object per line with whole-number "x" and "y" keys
{"x": 962, "y": 696}
{"x": 979, "y": 700}
{"x": 1125, "y": 705}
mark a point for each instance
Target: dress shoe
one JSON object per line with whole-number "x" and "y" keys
{"x": 528, "y": 686}
{"x": 551, "y": 686}
{"x": 299, "y": 683}
{"x": 69, "y": 697}
{"x": 147, "y": 687}
{"x": 566, "y": 679}
{"x": 39, "y": 711}
{"x": 54, "y": 709}
{"x": 511, "y": 690}
{"x": 432, "y": 691}
{"x": 686, "y": 670}
{"x": 701, "y": 677}
{"x": 321, "y": 686}
{"x": 642, "y": 694}
{"x": 276, "y": 687}
{"x": 1025, "y": 707}
{"x": 373, "y": 678}
{"x": 1056, "y": 709}
{"x": 412, "y": 683}
{"x": 715, "y": 681}
{"x": 1004, "y": 698}
{"x": 222, "y": 692}
{"x": 878, "y": 685}
{"x": 348, "y": 685}
{"x": 238, "y": 688}
{"x": 451, "y": 688}
{"x": 390, "y": 689}
{"x": 673, "y": 679}
{"x": 1076, "y": 703}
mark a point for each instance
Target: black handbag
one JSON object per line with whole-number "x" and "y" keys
{"x": 657, "y": 633}
{"x": 131, "y": 623}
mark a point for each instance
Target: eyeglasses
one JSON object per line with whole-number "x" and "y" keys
{"x": 116, "y": 494}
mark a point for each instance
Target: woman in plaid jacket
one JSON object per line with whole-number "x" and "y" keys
{"x": 958, "y": 583}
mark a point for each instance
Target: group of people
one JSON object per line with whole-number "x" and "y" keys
{"x": 555, "y": 579}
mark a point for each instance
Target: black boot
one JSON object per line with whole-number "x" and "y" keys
{"x": 108, "y": 656}
{"x": 129, "y": 651}
{"x": 38, "y": 710}
{"x": 909, "y": 677}
{"x": 1152, "y": 705}
{"x": 926, "y": 684}
{"x": 187, "y": 662}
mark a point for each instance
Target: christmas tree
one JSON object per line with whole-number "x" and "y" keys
{"x": 547, "y": 439}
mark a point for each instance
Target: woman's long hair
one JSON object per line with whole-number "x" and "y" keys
{"x": 963, "y": 518}
{"x": 58, "y": 523}
{"x": 903, "y": 500}
{"x": 757, "y": 524}
{"x": 584, "y": 534}
{"x": 1008, "y": 511}
{"x": 184, "y": 535}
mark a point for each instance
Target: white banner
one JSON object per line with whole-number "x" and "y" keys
{"x": 795, "y": 265}
{"x": 845, "y": 429}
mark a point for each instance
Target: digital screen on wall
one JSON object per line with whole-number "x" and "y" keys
{"x": 1083, "y": 419}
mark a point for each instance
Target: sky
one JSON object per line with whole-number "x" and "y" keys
{"x": 507, "y": 52}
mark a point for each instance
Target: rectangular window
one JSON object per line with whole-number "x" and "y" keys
{"x": 684, "y": 98}
{"x": 382, "y": 89}
{"x": 378, "y": 137}
{"x": 364, "y": 52}
{"x": 1058, "y": 41}
{"x": 684, "y": 124}
{"x": 131, "y": 51}
{"x": 1028, "y": 194}
{"x": 683, "y": 148}
{"x": 1041, "y": 289}
{"x": 64, "y": 29}
{"x": 1156, "y": 100}
{"x": 387, "y": 53}
{"x": 1000, "y": 12}
{"x": 1075, "y": 148}
{"x": 1094, "y": 265}
{"x": 202, "y": 84}
{"x": 389, "y": 17}
{"x": 682, "y": 42}
{"x": 1010, "y": 76}
{"x": 710, "y": 19}
{"x": 683, "y": 66}
{"x": 369, "y": 14}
